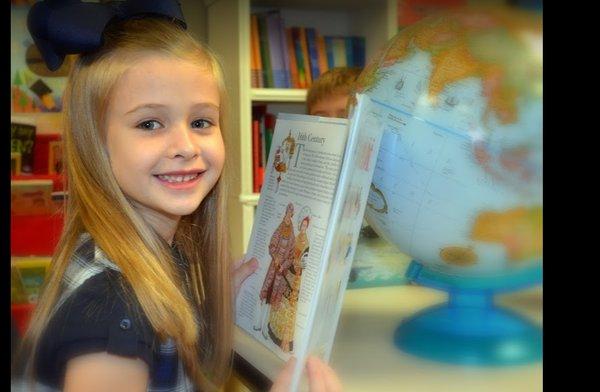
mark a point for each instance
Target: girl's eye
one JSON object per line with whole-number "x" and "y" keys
{"x": 201, "y": 123}
{"x": 149, "y": 125}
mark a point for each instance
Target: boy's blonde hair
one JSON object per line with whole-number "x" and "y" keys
{"x": 97, "y": 205}
{"x": 339, "y": 80}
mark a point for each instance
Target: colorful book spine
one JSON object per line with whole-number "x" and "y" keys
{"x": 329, "y": 51}
{"x": 286, "y": 56}
{"x": 256, "y": 70}
{"x": 291, "y": 51}
{"x": 264, "y": 51}
{"x": 311, "y": 44}
{"x": 305, "y": 56}
{"x": 302, "y": 77}
{"x": 322, "y": 52}
{"x": 276, "y": 50}
{"x": 349, "y": 45}
{"x": 261, "y": 153}
{"x": 358, "y": 51}
{"x": 255, "y": 152}
{"x": 339, "y": 52}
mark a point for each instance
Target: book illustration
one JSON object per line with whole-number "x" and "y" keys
{"x": 365, "y": 155}
{"x": 345, "y": 235}
{"x": 278, "y": 297}
{"x": 283, "y": 156}
{"x": 377, "y": 200}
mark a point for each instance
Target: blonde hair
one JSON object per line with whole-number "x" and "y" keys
{"x": 339, "y": 80}
{"x": 97, "y": 205}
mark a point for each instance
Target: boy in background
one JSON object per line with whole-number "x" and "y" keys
{"x": 328, "y": 95}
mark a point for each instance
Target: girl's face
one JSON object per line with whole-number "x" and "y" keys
{"x": 163, "y": 136}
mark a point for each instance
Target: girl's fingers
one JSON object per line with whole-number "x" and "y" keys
{"x": 332, "y": 381}
{"x": 242, "y": 271}
{"x": 322, "y": 378}
{"x": 237, "y": 263}
{"x": 284, "y": 379}
{"x": 316, "y": 380}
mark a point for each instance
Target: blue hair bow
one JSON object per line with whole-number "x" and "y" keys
{"x": 61, "y": 27}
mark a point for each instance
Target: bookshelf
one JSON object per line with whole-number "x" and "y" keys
{"x": 228, "y": 34}
{"x": 277, "y": 95}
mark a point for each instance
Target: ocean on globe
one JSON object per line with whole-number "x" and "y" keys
{"x": 458, "y": 181}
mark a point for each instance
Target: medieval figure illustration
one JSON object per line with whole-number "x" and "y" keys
{"x": 283, "y": 156}
{"x": 282, "y": 320}
{"x": 281, "y": 250}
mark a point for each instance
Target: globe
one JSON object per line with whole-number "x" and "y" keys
{"x": 458, "y": 180}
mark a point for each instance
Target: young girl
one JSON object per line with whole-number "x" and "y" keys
{"x": 139, "y": 296}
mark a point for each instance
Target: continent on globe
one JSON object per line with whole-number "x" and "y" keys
{"x": 459, "y": 256}
{"x": 464, "y": 45}
{"x": 519, "y": 230}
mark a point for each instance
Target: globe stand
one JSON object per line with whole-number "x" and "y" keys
{"x": 470, "y": 329}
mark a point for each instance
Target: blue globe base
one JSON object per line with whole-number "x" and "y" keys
{"x": 469, "y": 329}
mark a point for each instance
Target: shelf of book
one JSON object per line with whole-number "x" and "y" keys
{"x": 229, "y": 32}
{"x": 278, "y": 94}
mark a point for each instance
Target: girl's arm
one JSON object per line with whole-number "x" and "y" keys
{"x": 106, "y": 372}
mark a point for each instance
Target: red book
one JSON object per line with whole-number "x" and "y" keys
{"x": 41, "y": 152}
{"x": 255, "y": 154}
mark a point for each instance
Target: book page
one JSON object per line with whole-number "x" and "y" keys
{"x": 289, "y": 230}
{"x": 345, "y": 222}
{"x": 348, "y": 212}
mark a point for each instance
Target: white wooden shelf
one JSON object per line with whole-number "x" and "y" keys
{"x": 278, "y": 95}
{"x": 249, "y": 199}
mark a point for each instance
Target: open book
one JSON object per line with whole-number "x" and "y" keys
{"x": 306, "y": 228}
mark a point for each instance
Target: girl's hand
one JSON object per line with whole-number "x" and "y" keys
{"x": 321, "y": 378}
{"x": 241, "y": 271}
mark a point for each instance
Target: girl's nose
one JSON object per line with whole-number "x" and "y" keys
{"x": 182, "y": 143}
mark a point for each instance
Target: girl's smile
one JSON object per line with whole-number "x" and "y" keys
{"x": 183, "y": 179}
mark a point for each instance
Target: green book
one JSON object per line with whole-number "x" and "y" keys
{"x": 265, "y": 57}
